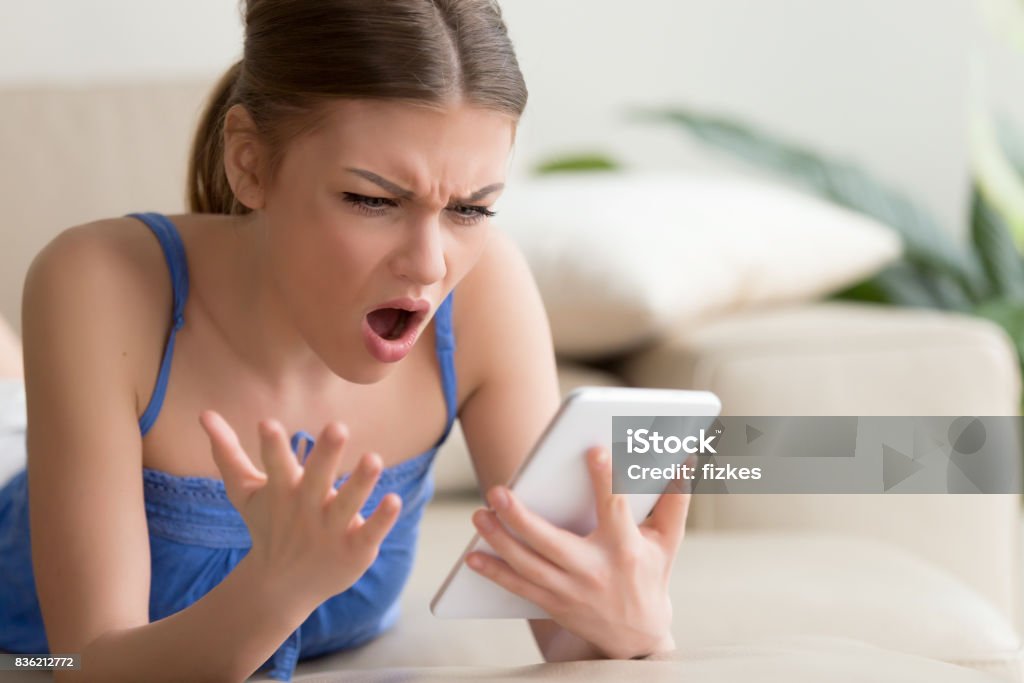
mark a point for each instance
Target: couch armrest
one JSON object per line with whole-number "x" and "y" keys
{"x": 841, "y": 358}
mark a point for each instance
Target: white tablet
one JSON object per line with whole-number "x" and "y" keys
{"x": 554, "y": 482}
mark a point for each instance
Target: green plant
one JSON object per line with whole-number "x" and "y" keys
{"x": 984, "y": 276}
{"x": 584, "y": 161}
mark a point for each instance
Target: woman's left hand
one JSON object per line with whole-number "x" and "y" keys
{"x": 609, "y": 588}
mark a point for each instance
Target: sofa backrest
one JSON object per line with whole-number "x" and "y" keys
{"x": 74, "y": 155}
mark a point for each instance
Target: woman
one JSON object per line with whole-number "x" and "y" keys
{"x": 341, "y": 186}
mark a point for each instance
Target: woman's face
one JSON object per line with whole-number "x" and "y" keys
{"x": 384, "y": 201}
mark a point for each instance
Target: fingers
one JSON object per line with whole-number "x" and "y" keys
{"x": 501, "y": 573}
{"x": 241, "y": 477}
{"x": 558, "y": 546}
{"x": 613, "y": 513}
{"x": 519, "y": 556}
{"x": 323, "y": 462}
{"x": 374, "y": 529}
{"x": 282, "y": 467}
{"x": 353, "y": 493}
{"x": 668, "y": 517}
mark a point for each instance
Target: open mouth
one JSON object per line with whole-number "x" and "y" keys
{"x": 390, "y": 331}
{"x": 391, "y": 323}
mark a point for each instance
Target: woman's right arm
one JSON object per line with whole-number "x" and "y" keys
{"x": 90, "y": 545}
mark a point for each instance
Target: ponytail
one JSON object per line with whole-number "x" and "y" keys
{"x": 208, "y": 188}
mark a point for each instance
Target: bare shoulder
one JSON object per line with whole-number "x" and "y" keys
{"x": 500, "y": 268}
{"x": 99, "y": 282}
{"x": 118, "y": 247}
{"x": 497, "y": 311}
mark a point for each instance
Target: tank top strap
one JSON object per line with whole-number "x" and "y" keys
{"x": 446, "y": 357}
{"x": 174, "y": 253}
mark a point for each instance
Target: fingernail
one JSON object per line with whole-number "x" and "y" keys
{"x": 499, "y": 499}
{"x": 602, "y": 457}
{"x": 474, "y": 562}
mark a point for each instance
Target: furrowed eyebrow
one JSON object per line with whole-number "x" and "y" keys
{"x": 402, "y": 193}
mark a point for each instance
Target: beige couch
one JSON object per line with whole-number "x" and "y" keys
{"x": 787, "y": 588}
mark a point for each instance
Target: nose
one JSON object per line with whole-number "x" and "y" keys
{"x": 421, "y": 258}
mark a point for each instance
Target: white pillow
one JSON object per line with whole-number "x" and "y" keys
{"x": 12, "y": 428}
{"x": 621, "y": 257}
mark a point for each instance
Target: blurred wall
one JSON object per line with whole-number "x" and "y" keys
{"x": 881, "y": 82}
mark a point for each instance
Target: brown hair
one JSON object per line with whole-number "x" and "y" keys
{"x": 301, "y": 53}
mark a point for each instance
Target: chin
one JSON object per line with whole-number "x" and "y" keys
{"x": 362, "y": 370}
{"x": 374, "y": 372}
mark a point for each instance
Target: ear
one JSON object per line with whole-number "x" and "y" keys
{"x": 244, "y": 157}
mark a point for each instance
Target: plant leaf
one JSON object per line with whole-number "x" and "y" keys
{"x": 866, "y": 290}
{"x": 925, "y": 242}
{"x": 996, "y": 177}
{"x": 576, "y": 163}
{"x": 945, "y": 291}
{"x": 996, "y": 250}
{"x": 905, "y": 284}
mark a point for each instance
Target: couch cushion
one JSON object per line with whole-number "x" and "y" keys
{"x": 730, "y": 591}
{"x": 843, "y": 358}
{"x": 838, "y": 358}
{"x": 779, "y": 660}
{"x": 620, "y": 257}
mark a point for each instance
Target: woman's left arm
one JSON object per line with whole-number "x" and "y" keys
{"x": 607, "y": 592}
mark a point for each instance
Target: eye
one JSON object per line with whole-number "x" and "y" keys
{"x": 465, "y": 214}
{"x": 371, "y": 206}
{"x": 468, "y": 214}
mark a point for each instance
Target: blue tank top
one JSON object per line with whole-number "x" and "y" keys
{"x": 197, "y": 537}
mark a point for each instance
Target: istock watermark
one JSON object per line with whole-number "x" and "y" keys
{"x": 932, "y": 454}
{"x": 644, "y": 441}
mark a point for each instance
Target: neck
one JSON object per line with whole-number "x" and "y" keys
{"x": 246, "y": 309}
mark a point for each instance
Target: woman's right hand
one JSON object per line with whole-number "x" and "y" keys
{"x": 304, "y": 531}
